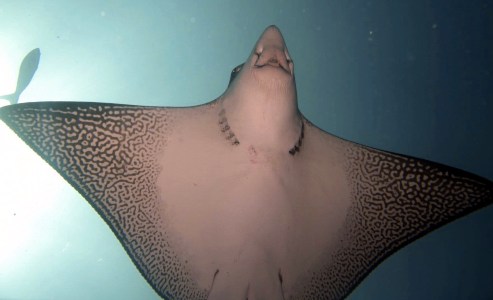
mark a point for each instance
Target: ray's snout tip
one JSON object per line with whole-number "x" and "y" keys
{"x": 273, "y": 30}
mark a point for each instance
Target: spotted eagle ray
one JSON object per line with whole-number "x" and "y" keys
{"x": 28, "y": 67}
{"x": 243, "y": 197}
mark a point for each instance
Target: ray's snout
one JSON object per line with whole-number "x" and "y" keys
{"x": 272, "y": 51}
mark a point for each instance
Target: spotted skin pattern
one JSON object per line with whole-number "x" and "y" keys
{"x": 107, "y": 152}
{"x": 396, "y": 199}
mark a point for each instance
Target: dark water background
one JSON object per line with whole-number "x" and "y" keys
{"x": 412, "y": 77}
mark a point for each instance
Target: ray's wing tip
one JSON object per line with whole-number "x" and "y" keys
{"x": 11, "y": 112}
{"x": 8, "y": 109}
{"x": 7, "y": 112}
{"x": 4, "y": 111}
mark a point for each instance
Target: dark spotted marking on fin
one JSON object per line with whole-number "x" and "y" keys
{"x": 396, "y": 199}
{"x": 108, "y": 154}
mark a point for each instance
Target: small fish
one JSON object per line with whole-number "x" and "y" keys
{"x": 28, "y": 67}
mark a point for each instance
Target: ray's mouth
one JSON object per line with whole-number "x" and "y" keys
{"x": 273, "y": 62}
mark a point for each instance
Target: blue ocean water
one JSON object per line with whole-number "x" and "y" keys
{"x": 412, "y": 77}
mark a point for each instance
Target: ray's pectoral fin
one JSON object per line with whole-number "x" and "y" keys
{"x": 401, "y": 198}
{"x": 108, "y": 153}
{"x": 397, "y": 199}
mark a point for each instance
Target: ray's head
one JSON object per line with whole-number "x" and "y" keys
{"x": 269, "y": 68}
{"x": 261, "y": 101}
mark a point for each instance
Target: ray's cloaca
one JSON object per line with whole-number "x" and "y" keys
{"x": 243, "y": 197}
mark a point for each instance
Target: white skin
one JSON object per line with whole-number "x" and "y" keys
{"x": 253, "y": 210}
{"x": 261, "y": 103}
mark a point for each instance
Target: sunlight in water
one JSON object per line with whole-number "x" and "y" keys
{"x": 20, "y": 216}
{"x": 8, "y": 72}
{"x": 4, "y": 102}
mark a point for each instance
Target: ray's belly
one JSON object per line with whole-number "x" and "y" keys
{"x": 226, "y": 215}
{"x": 240, "y": 223}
